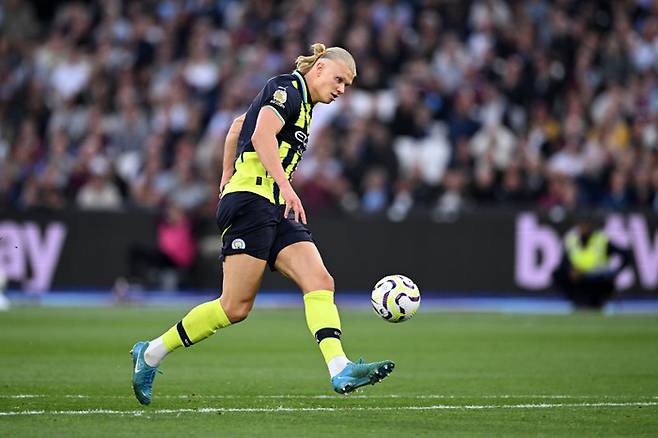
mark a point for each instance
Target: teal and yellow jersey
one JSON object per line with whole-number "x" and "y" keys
{"x": 288, "y": 96}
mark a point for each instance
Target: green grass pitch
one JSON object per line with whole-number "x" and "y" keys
{"x": 66, "y": 372}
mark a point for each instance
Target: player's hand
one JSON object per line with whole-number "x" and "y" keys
{"x": 293, "y": 203}
{"x": 226, "y": 176}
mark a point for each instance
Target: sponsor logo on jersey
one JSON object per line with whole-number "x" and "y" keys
{"x": 302, "y": 138}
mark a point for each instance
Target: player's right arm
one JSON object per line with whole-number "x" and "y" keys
{"x": 266, "y": 145}
{"x": 230, "y": 146}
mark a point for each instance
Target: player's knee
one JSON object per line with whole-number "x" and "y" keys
{"x": 238, "y": 314}
{"x": 325, "y": 280}
{"x": 238, "y": 311}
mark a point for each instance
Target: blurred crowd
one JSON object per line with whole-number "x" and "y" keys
{"x": 113, "y": 104}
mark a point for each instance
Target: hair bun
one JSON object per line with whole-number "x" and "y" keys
{"x": 318, "y": 49}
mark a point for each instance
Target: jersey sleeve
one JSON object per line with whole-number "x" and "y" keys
{"x": 283, "y": 98}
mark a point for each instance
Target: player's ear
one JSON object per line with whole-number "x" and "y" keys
{"x": 319, "y": 66}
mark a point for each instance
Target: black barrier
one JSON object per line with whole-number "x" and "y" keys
{"x": 485, "y": 252}
{"x": 73, "y": 250}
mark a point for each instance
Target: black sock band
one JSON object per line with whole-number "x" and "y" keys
{"x": 183, "y": 334}
{"x": 327, "y": 333}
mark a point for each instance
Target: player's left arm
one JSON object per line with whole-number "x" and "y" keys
{"x": 230, "y": 146}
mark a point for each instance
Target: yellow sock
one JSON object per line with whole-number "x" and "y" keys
{"x": 201, "y": 322}
{"x": 324, "y": 323}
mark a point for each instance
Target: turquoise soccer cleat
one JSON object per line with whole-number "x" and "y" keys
{"x": 358, "y": 374}
{"x": 143, "y": 374}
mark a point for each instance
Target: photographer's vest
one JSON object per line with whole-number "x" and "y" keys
{"x": 592, "y": 256}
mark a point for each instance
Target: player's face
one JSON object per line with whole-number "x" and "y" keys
{"x": 332, "y": 79}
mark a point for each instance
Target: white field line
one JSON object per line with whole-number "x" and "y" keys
{"x": 327, "y": 396}
{"x": 325, "y": 409}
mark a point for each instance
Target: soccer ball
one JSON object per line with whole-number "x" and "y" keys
{"x": 395, "y": 298}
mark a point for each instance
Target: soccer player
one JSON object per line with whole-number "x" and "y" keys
{"x": 262, "y": 221}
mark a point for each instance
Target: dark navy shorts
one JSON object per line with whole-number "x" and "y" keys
{"x": 250, "y": 224}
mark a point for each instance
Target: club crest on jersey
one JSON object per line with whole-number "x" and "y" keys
{"x": 280, "y": 96}
{"x": 238, "y": 244}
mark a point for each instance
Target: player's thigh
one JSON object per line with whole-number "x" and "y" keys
{"x": 242, "y": 277}
{"x": 302, "y": 263}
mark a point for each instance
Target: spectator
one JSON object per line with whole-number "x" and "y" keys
{"x": 567, "y": 99}
{"x": 617, "y": 197}
{"x": 512, "y": 190}
{"x": 71, "y": 75}
{"x": 484, "y": 185}
{"x": 451, "y": 202}
{"x": 169, "y": 262}
{"x": 144, "y": 190}
{"x": 99, "y": 193}
{"x": 375, "y": 194}
{"x": 320, "y": 176}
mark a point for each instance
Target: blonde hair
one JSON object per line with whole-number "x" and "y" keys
{"x": 305, "y": 63}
